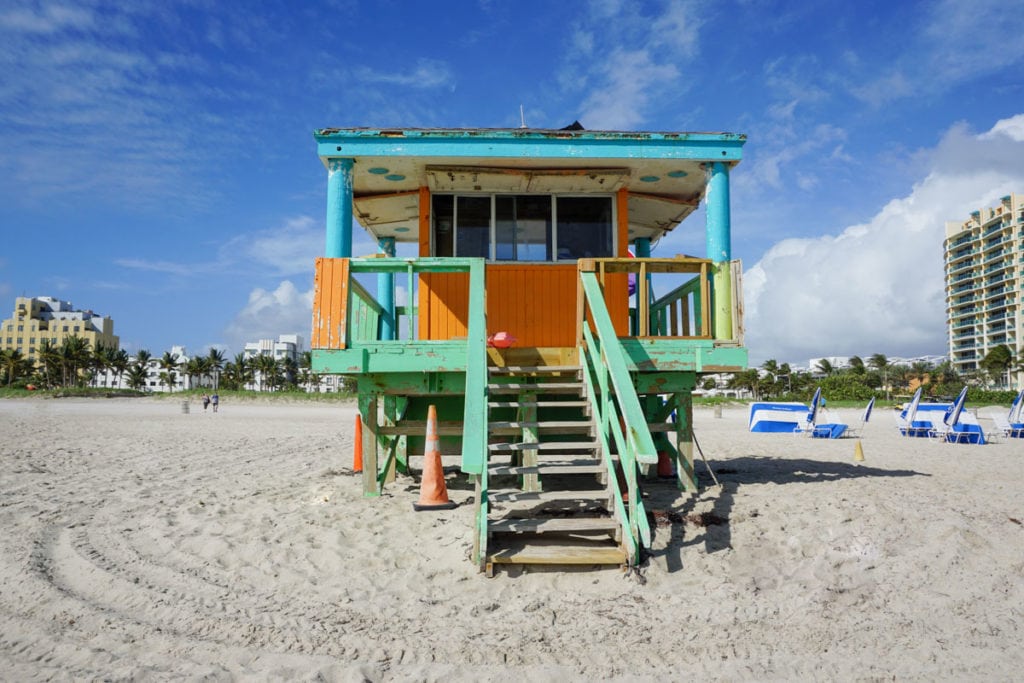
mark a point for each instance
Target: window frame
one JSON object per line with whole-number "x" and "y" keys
{"x": 492, "y": 223}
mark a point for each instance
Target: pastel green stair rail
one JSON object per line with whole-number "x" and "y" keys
{"x": 619, "y": 417}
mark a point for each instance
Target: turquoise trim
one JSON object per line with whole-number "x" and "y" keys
{"x": 718, "y": 221}
{"x": 333, "y": 143}
{"x": 339, "y": 208}
{"x": 386, "y": 291}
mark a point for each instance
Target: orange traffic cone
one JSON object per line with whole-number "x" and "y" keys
{"x": 357, "y": 449}
{"x": 665, "y": 469}
{"x": 433, "y": 492}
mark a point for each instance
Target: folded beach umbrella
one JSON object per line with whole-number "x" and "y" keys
{"x": 867, "y": 411}
{"x": 958, "y": 406}
{"x": 911, "y": 411}
{"x": 1017, "y": 408}
{"x": 812, "y": 417}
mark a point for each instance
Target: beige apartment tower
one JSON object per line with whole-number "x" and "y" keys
{"x": 984, "y": 267}
{"x": 43, "y": 317}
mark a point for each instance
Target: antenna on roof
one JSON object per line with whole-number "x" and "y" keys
{"x": 522, "y": 117}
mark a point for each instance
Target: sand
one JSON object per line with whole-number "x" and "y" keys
{"x": 143, "y": 543}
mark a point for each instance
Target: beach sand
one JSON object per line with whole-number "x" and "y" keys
{"x": 143, "y": 543}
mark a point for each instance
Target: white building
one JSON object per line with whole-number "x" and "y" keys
{"x": 109, "y": 380}
{"x": 287, "y": 346}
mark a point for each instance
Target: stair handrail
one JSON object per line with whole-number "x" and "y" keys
{"x": 474, "y": 420}
{"x": 616, "y": 406}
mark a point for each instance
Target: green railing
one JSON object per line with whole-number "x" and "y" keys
{"x": 620, "y": 419}
{"x": 670, "y": 315}
{"x": 364, "y": 314}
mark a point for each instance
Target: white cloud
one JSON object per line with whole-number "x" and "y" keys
{"x": 628, "y": 80}
{"x": 269, "y": 314}
{"x": 643, "y": 54}
{"x": 428, "y": 73}
{"x": 878, "y": 287}
{"x": 287, "y": 249}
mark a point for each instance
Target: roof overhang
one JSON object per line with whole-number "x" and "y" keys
{"x": 663, "y": 173}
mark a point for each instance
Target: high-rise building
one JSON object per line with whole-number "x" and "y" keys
{"x": 43, "y": 317}
{"x": 984, "y": 257}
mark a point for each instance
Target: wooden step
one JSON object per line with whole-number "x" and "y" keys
{"x": 544, "y": 551}
{"x": 546, "y": 468}
{"x": 542, "y": 446}
{"x": 532, "y": 369}
{"x": 570, "y": 425}
{"x": 517, "y": 496}
{"x": 539, "y": 388}
{"x": 539, "y": 404}
{"x": 547, "y": 525}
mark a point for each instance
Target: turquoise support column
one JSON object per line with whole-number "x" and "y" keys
{"x": 719, "y": 248}
{"x": 719, "y": 229}
{"x": 386, "y": 292}
{"x": 339, "y": 208}
{"x": 641, "y": 249}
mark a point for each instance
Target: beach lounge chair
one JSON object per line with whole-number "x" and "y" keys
{"x": 1005, "y": 429}
{"x": 858, "y": 430}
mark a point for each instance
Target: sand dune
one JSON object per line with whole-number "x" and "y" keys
{"x": 143, "y": 543}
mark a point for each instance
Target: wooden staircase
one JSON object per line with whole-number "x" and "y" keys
{"x": 549, "y": 495}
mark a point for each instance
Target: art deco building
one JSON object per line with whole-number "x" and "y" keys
{"x": 43, "y": 317}
{"x": 984, "y": 267}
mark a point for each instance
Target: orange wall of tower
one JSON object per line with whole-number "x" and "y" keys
{"x": 535, "y": 303}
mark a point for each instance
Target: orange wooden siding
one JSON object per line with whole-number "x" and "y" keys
{"x": 443, "y": 305}
{"x": 330, "y": 299}
{"x": 535, "y": 303}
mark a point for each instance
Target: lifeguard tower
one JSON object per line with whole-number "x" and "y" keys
{"x": 524, "y": 236}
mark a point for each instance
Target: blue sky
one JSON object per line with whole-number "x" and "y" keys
{"x": 157, "y": 163}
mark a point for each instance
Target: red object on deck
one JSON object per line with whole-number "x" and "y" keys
{"x": 501, "y": 340}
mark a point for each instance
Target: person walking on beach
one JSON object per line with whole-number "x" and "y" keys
{"x": 215, "y": 399}
{"x": 206, "y": 402}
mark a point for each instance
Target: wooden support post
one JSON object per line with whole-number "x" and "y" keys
{"x": 530, "y": 434}
{"x": 368, "y": 410}
{"x": 684, "y": 442}
{"x": 390, "y": 417}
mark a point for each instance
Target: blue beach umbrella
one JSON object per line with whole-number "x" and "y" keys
{"x": 1016, "y": 408}
{"x": 867, "y": 411}
{"x": 958, "y": 406}
{"x": 911, "y": 411}
{"x": 812, "y": 417}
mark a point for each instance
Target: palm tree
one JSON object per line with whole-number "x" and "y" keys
{"x": 215, "y": 359}
{"x": 195, "y": 367}
{"x": 310, "y": 380}
{"x": 49, "y": 360}
{"x": 240, "y": 371}
{"x": 13, "y": 364}
{"x": 169, "y": 365}
{"x": 880, "y": 363}
{"x": 74, "y": 354}
{"x": 825, "y": 367}
{"x": 119, "y": 363}
{"x": 290, "y": 371}
{"x": 97, "y": 362}
{"x": 920, "y": 371}
{"x": 997, "y": 362}
{"x": 138, "y": 373}
{"x": 857, "y": 365}
{"x": 266, "y": 366}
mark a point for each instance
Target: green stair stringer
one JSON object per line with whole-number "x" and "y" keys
{"x": 618, "y": 414}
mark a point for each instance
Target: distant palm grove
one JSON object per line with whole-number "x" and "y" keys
{"x": 876, "y": 376}
{"x": 74, "y": 364}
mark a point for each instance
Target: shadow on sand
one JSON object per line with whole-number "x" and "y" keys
{"x": 714, "y": 525}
